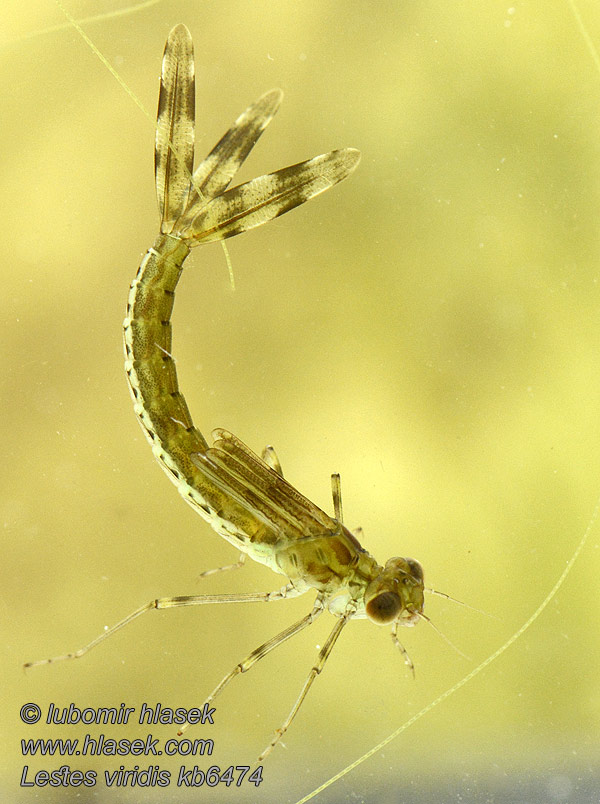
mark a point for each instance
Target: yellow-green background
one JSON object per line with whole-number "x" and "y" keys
{"x": 430, "y": 329}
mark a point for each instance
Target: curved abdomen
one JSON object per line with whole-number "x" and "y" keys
{"x": 158, "y": 403}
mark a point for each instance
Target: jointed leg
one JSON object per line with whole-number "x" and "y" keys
{"x": 263, "y": 650}
{"x": 407, "y": 660}
{"x": 269, "y": 456}
{"x": 238, "y": 565}
{"x": 169, "y": 603}
{"x": 336, "y": 492}
{"x": 322, "y": 658}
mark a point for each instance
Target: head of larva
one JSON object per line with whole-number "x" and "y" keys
{"x": 396, "y": 594}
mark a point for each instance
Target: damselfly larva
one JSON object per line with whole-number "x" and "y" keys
{"x": 244, "y": 497}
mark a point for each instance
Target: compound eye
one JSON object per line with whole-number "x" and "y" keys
{"x": 416, "y": 569}
{"x": 384, "y": 608}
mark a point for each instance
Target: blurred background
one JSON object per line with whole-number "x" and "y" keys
{"x": 430, "y": 329}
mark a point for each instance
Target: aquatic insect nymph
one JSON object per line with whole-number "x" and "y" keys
{"x": 244, "y": 497}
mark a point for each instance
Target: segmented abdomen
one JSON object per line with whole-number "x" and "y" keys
{"x": 150, "y": 368}
{"x": 158, "y": 403}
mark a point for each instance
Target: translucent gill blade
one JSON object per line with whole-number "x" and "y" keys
{"x": 262, "y": 199}
{"x": 214, "y": 174}
{"x": 174, "y": 149}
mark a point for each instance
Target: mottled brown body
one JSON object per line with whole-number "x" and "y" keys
{"x": 159, "y": 405}
{"x": 328, "y": 557}
{"x": 244, "y": 497}
{"x": 150, "y": 368}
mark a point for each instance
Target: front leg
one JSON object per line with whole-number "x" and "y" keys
{"x": 269, "y": 456}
